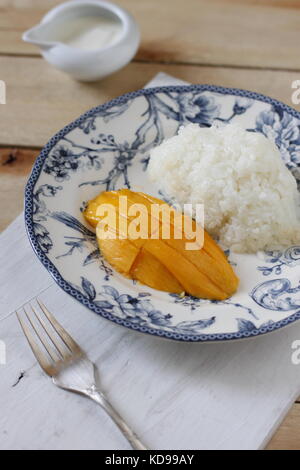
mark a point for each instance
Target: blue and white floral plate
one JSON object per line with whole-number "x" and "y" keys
{"x": 108, "y": 148}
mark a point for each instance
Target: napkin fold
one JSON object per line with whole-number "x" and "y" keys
{"x": 174, "y": 395}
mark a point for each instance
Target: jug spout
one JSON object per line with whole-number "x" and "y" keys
{"x": 38, "y": 35}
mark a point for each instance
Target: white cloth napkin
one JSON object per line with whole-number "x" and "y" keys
{"x": 174, "y": 395}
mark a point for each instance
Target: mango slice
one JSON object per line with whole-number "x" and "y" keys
{"x": 148, "y": 256}
{"x": 150, "y": 271}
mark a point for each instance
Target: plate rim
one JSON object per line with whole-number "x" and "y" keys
{"x": 54, "y": 272}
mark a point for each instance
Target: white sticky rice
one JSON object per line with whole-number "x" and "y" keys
{"x": 250, "y": 198}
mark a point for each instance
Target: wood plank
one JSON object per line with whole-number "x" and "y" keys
{"x": 218, "y": 32}
{"x": 273, "y": 3}
{"x": 221, "y": 33}
{"x": 44, "y": 100}
{"x": 15, "y": 165}
{"x": 288, "y": 435}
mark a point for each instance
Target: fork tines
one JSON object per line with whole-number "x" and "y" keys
{"x": 49, "y": 341}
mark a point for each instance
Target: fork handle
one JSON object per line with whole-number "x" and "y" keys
{"x": 101, "y": 399}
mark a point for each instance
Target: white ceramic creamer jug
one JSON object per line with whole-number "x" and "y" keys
{"x": 88, "y": 39}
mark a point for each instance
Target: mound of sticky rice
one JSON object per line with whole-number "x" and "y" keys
{"x": 250, "y": 198}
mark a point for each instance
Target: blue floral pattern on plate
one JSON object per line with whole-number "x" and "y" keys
{"x": 278, "y": 260}
{"x": 108, "y": 148}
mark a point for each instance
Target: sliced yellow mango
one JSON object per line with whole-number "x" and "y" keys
{"x": 151, "y": 258}
{"x": 150, "y": 271}
{"x": 193, "y": 281}
{"x": 114, "y": 251}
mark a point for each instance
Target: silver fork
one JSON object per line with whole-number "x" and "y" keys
{"x": 64, "y": 361}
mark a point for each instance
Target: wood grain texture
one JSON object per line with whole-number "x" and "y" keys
{"x": 15, "y": 165}
{"x": 227, "y": 32}
{"x": 44, "y": 100}
{"x": 288, "y": 435}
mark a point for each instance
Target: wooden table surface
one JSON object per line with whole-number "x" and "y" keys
{"x": 252, "y": 44}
